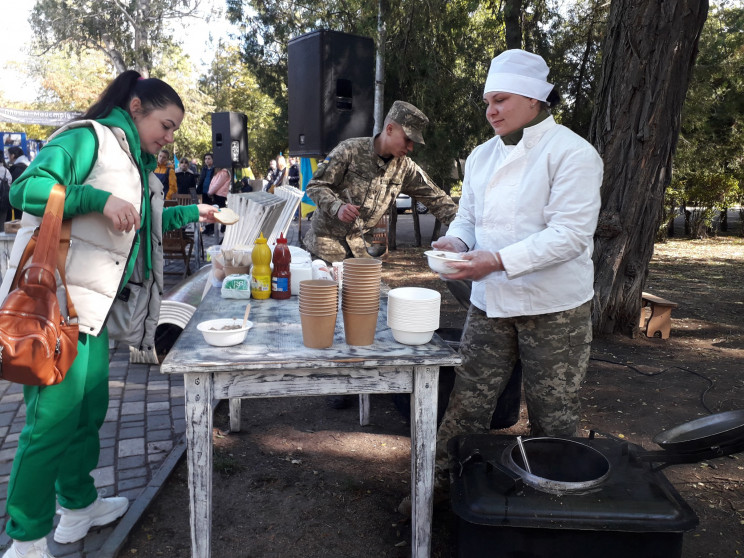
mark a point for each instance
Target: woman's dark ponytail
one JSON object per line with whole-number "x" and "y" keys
{"x": 152, "y": 92}
{"x": 554, "y": 98}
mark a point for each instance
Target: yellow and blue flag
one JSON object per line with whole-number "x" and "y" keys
{"x": 307, "y": 168}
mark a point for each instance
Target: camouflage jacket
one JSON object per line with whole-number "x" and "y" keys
{"x": 353, "y": 171}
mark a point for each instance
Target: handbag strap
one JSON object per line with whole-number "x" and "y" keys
{"x": 50, "y": 244}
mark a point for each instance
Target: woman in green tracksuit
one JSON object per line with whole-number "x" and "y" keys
{"x": 105, "y": 160}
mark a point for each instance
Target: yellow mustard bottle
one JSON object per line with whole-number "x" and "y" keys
{"x": 261, "y": 272}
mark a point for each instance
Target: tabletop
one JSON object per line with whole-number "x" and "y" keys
{"x": 275, "y": 342}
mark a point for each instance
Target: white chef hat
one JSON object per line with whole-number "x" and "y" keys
{"x": 521, "y": 72}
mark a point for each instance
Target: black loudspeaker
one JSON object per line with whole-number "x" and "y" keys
{"x": 230, "y": 139}
{"x": 331, "y": 90}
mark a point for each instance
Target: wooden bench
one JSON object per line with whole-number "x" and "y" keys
{"x": 660, "y": 317}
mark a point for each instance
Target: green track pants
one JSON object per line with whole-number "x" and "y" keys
{"x": 59, "y": 445}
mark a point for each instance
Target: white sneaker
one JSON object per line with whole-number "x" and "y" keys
{"x": 74, "y": 524}
{"x": 38, "y": 550}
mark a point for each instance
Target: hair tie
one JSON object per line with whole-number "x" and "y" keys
{"x": 140, "y": 78}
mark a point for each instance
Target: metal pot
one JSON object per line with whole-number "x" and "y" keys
{"x": 568, "y": 466}
{"x": 558, "y": 465}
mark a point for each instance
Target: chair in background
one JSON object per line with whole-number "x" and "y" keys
{"x": 379, "y": 244}
{"x": 188, "y": 199}
{"x": 177, "y": 245}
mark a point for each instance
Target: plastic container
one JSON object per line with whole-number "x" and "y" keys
{"x": 633, "y": 511}
{"x": 281, "y": 276}
{"x": 299, "y": 272}
{"x": 261, "y": 273}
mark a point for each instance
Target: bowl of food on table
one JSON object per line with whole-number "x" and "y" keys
{"x": 224, "y": 332}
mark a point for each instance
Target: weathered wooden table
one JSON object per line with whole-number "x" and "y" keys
{"x": 273, "y": 362}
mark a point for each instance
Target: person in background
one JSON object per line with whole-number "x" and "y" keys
{"x": 18, "y": 162}
{"x": 185, "y": 178}
{"x": 202, "y": 184}
{"x": 525, "y": 226}
{"x": 294, "y": 172}
{"x": 166, "y": 174}
{"x": 244, "y": 176}
{"x": 270, "y": 175}
{"x": 356, "y": 184}
{"x": 281, "y": 177}
{"x": 105, "y": 161}
{"x": 6, "y": 179}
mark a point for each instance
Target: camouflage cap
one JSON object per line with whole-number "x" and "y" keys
{"x": 411, "y": 119}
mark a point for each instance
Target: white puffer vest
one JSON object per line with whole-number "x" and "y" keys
{"x": 98, "y": 253}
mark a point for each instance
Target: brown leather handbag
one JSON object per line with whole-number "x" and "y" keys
{"x": 37, "y": 343}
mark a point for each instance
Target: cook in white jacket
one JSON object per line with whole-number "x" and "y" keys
{"x": 526, "y": 221}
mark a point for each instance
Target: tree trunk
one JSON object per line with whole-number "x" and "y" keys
{"x": 513, "y": 23}
{"x": 648, "y": 55}
{"x": 379, "y": 114}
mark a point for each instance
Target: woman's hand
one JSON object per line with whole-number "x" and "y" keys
{"x": 479, "y": 264}
{"x": 206, "y": 213}
{"x": 122, "y": 214}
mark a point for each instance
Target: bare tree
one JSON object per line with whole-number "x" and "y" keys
{"x": 648, "y": 55}
{"x": 126, "y": 31}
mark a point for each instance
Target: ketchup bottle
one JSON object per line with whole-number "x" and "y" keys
{"x": 280, "y": 276}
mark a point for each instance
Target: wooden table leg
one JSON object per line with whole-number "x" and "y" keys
{"x": 199, "y": 395}
{"x": 423, "y": 444}
{"x": 235, "y": 404}
{"x": 364, "y": 409}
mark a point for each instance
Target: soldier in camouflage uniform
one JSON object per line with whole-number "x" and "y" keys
{"x": 359, "y": 180}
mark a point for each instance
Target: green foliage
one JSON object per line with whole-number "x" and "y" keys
{"x": 573, "y": 55}
{"x": 194, "y": 137}
{"x": 709, "y": 163}
{"x": 232, "y": 87}
{"x": 437, "y": 54}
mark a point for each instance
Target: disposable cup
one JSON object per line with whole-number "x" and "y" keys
{"x": 359, "y": 329}
{"x": 318, "y": 309}
{"x": 353, "y": 263}
{"x": 327, "y": 283}
{"x": 317, "y": 331}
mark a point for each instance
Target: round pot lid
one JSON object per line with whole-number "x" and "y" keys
{"x": 703, "y": 433}
{"x": 558, "y": 465}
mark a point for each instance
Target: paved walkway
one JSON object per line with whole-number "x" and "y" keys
{"x": 142, "y": 438}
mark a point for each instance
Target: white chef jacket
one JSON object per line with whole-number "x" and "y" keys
{"x": 536, "y": 204}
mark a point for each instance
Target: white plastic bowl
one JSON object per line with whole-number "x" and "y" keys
{"x": 412, "y": 337}
{"x": 414, "y": 294}
{"x": 214, "y": 334}
{"x": 438, "y": 260}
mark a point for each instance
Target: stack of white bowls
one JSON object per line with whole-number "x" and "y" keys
{"x": 413, "y": 314}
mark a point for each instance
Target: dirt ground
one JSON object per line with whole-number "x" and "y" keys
{"x": 303, "y": 480}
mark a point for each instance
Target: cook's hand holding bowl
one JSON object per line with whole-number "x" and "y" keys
{"x": 441, "y": 261}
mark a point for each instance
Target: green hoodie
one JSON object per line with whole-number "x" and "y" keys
{"x": 68, "y": 159}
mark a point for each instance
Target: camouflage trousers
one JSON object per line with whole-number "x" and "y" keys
{"x": 554, "y": 349}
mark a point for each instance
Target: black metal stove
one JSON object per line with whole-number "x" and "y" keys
{"x": 585, "y": 497}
